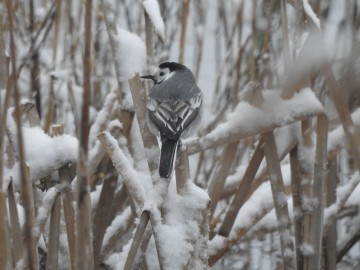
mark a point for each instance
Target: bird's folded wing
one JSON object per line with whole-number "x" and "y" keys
{"x": 172, "y": 117}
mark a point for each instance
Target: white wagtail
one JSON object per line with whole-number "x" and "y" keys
{"x": 173, "y": 109}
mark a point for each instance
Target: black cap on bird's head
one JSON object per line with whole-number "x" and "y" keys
{"x": 165, "y": 71}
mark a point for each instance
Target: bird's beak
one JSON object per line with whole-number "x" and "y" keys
{"x": 147, "y": 77}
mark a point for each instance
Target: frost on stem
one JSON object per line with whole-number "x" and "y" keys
{"x": 307, "y": 249}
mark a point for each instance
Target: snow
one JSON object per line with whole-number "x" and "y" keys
{"x": 247, "y": 120}
{"x": 312, "y": 15}
{"x": 153, "y": 10}
{"x": 336, "y": 137}
{"x": 132, "y": 53}
{"x": 119, "y": 222}
{"x": 125, "y": 169}
{"x": 44, "y": 210}
{"x": 43, "y": 154}
{"x": 181, "y": 225}
{"x": 102, "y": 118}
{"x": 306, "y": 249}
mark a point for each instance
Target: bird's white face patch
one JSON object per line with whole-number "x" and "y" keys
{"x": 162, "y": 74}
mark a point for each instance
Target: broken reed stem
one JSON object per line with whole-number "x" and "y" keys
{"x": 280, "y": 200}
{"x": 84, "y": 250}
{"x": 137, "y": 239}
{"x": 27, "y": 195}
{"x": 184, "y": 17}
{"x": 150, "y": 142}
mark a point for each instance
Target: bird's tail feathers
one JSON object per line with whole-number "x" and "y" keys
{"x": 167, "y": 157}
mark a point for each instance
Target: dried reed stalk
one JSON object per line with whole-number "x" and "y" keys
{"x": 184, "y": 17}
{"x": 67, "y": 200}
{"x": 4, "y": 233}
{"x": 17, "y": 244}
{"x": 182, "y": 171}
{"x": 139, "y": 233}
{"x": 280, "y": 200}
{"x": 27, "y": 194}
{"x": 352, "y": 132}
{"x": 5, "y": 254}
{"x": 101, "y": 217}
{"x": 150, "y": 142}
{"x": 53, "y": 243}
{"x": 69, "y": 212}
{"x": 252, "y": 95}
{"x": 84, "y": 250}
{"x": 123, "y": 167}
{"x": 239, "y": 197}
{"x": 221, "y": 172}
{"x": 296, "y": 189}
{"x": 316, "y": 222}
{"x": 330, "y": 235}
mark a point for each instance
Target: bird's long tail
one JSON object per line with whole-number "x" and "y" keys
{"x": 167, "y": 156}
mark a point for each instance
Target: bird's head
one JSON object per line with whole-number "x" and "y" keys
{"x": 165, "y": 71}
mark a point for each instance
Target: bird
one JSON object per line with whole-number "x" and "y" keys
{"x": 174, "y": 108}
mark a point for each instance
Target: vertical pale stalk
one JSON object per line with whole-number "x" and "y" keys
{"x": 149, "y": 39}
{"x": 184, "y": 17}
{"x": 18, "y": 247}
{"x": 27, "y": 195}
{"x": 297, "y": 196}
{"x": 84, "y": 250}
{"x": 280, "y": 199}
{"x": 53, "y": 245}
{"x": 4, "y": 233}
{"x": 286, "y": 44}
{"x": 34, "y": 70}
{"x": 51, "y": 103}
{"x": 330, "y": 237}
{"x": 316, "y": 222}
{"x": 182, "y": 172}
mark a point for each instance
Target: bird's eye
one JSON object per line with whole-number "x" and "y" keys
{"x": 161, "y": 73}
